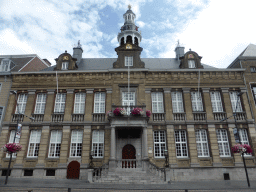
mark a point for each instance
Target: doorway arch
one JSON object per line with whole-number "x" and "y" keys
{"x": 129, "y": 152}
{"x": 73, "y": 170}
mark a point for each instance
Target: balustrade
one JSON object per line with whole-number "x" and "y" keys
{"x": 16, "y": 117}
{"x": 38, "y": 117}
{"x": 77, "y": 117}
{"x": 219, "y": 115}
{"x": 158, "y": 116}
{"x": 57, "y": 117}
{"x": 240, "y": 116}
{"x": 98, "y": 117}
{"x": 129, "y": 163}
{"x": 179, "y": 116}
{"x": 199, "y": 116}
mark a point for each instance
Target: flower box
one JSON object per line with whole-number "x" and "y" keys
{"x": 11, "y": 148}
{"x": 241, "y": 148}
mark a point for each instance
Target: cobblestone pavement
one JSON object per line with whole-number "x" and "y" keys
{"x": 16, "y": 189}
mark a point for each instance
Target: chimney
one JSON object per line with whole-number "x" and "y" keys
{"x": 179, "y": 51}
{"x": 77, "y": 52}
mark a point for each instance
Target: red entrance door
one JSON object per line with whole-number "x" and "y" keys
{"x": 129, "y": 152}
{"x": 73, "y": 170}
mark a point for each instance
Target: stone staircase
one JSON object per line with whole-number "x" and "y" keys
{"x": 130, "y": 176}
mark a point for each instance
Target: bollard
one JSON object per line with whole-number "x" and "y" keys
{"x": 69, "y": 189}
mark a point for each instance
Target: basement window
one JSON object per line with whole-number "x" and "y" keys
{"x": 4, "y": 172}
{"x": 28, "y": 172}
{"x": 226, "y": 176}
{"x": 50, "y": 172}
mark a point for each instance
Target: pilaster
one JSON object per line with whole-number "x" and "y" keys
{"x": 49, "y": 105}
{"x": 148, "y": 100}
{"x": 187, "y": 103}
{"x": 24, "y": 140}
{"x": 10, "y": 108}
{"x": 109, "y": 99}
{"x": 89, "y": 105}
{"x": 64, "y": 150}
{"x": 227, "y": 102}
{"x": 214, "y": 145}
{"x": 43, "y": 149}
{"x": 208, "y": 103}
{"x": 69, "y": 105}
{"x": 168, "y": 104}
{"x": 192, "y": 145}
{"x": 30, "y": 104}
{"x": 246, "y": 104}
{"x": 86, "y": 145}
{"x": 171, "y": 144}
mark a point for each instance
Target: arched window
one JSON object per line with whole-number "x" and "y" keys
{"x": 129, "y": 17}
{"x": 136, "y": 42}
{"x": 129, "y": 39}
{"x": 122, "y": 40}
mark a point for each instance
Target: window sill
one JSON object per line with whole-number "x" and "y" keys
{"x": 31, "y": 158}
{"x": 52, "y": 158}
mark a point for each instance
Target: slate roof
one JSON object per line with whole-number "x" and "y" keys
{"x": 250, "y": 51}
{"x": 19, "y": 61}
{"x": 107, "y": 63}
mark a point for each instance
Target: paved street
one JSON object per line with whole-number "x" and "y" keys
{"x": 54, "y": 185}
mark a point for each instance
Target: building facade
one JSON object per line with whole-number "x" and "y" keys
{"x": 125, "y": 114}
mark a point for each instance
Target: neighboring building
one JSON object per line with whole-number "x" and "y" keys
{"x": 15, "y": 63}
{"x": 72, "y": 103}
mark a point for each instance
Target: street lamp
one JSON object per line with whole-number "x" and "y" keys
{"x": 237, "y": 136}
{"x": 18, "y": 128}
{"x": 166, "y": 158}
{"x": 91, "y": 158}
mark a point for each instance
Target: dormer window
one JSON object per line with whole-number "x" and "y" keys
{"x": 191, "y": 64}
{"x": 5, "y": 65}
{"x": 65, "y": 65}
{"x": 128, "y": 61}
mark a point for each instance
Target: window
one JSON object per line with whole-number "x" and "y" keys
{"x": 79, "y": 103}
{"x": 181, "y": 143}
{"x": 21, "y": 103}
{"x": 5, "y": 65}
{"x": 76, "y": 143}
{"x": 98, "y": 143}
{"x": 60, "y": 103}
{"x": 99, "y": 102}
{"x": 202, "y": 143}
{"x": 216, "y": 101}
{"x": 128, "y": 61}
{"x": 17, "y": 140}
{"x": 244, "y": 138}
{"x": 235, "y": 101}
{"x": 159, "y": 143}
{"x": 55, "y": 143}
{"x": 222, "y": 137}
{"x": 1, "y": 113}
{"x": 34, "y": 142}
{"x": 197, "y": 103}
{"x": 253, "y": 69}
{"x": 177, "y": 102}
{"x": 65, "y": 65}
{"x": 191, "y": 64}
{"x": 128, "y": 98}
{"x": 157, "y": 102}
{"x": 253, "y": 87}
{"x": 40, "y": 103}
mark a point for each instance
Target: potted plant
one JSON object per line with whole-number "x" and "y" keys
{"x": 244, "y": 148}
{"x": 119, "y": 111}
{"x": 12, "y": 148}
{"x": 137, "y": 111}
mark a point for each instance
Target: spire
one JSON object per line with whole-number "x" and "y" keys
{"x": 129, "y": 31}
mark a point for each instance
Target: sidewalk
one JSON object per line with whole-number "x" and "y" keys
{"x": 26, "y": 184}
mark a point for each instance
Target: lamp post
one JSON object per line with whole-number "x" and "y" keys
{"x": 237, "y": 136}
{"x": 19, "y": 129}
{"x": 166, "y": 158}
{"x": 91, "y": 158}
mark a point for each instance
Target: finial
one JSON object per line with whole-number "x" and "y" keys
{"x": 178, "y": 43}
{"x": 189, "y": 49}
{"x": 78, "y": 44}
{"x": 129, "y": 6}
{"x": 65, "y": 51}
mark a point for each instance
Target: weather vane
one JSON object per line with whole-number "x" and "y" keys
{"x": 129, "y": 6}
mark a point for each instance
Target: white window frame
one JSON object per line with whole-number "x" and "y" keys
{"x": 5, "y": 65}
{"x": 60, "y": 101}
{"x": 177, "y": 102}
{"x": 98, "y": 143}
{"x": 253, "y": 87}
{"x": 76, "y": 143}
{"x": 159, "y": 143}
{"x": 55, "y": 144}
{"x": 216, "y": 101}
{"x": 21, "y": 103}
{"x": 129, "y": 61}
{"x": 243, "y": 134}
{"x": 191, "y": 63}
{"x": 233, "y": 100}
{"x": 223, "y": 143}
{"x": 40, "y": 103}
{"x": 197, "y": 101}
{"x": 99, "y": 102}
{"x": 34, "y": 143}
{"x": 157, "y": 102}
{"x": 202, "y": 143}
{"x": 181, "y": 145}
{"x": 17, "y": 140}
{"x": 64, "y": 65}
{"x": 79, "y": 105}
{"x": 1, "y": 113}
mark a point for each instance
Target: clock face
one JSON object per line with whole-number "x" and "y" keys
{"x": 65, "y": 58}
{"x": 128, "y": 46}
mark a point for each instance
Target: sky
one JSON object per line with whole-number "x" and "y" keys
{"x": 218, "y": 30}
